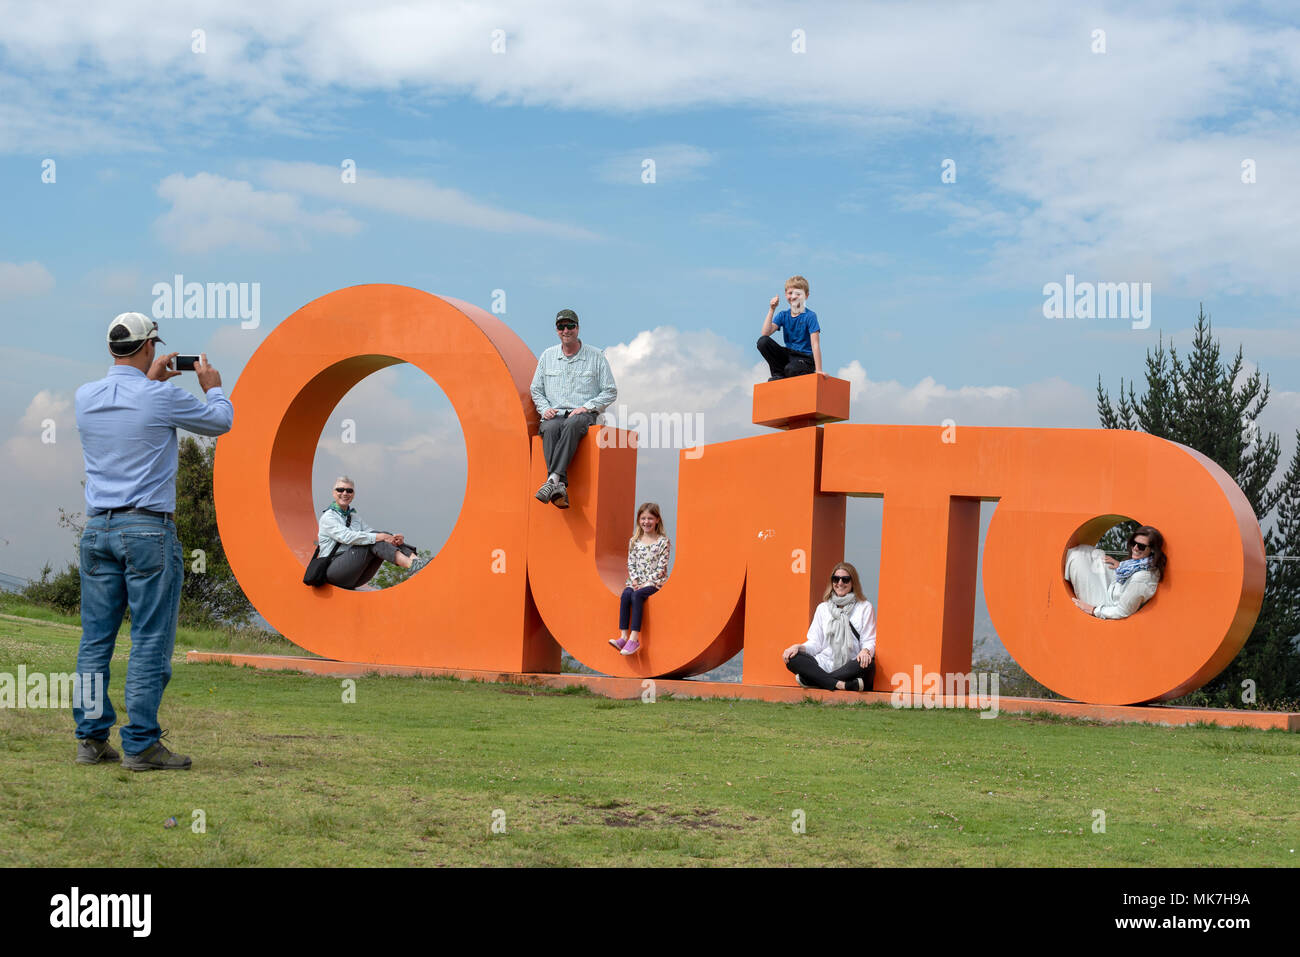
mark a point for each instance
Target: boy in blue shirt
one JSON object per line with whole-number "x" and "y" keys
{"x": 802, "y": 352}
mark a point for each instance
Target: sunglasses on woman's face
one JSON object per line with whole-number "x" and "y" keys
{"x": 1139, "y": 546}
{"x": 841, "y": 579}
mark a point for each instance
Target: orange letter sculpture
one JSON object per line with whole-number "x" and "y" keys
{"x": 1056, "y": 488}
{"x": 760, "y": 522}
{"x": 458, "y": 612}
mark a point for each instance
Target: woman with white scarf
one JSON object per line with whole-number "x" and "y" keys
{"x": 840, "y": 653}
{"x": 1106, "y": 588}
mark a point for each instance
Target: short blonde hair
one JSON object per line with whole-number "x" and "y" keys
{"x": 799, "y": 283}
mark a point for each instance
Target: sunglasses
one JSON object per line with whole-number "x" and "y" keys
{"x": 1139, "y": 546}
{"x": 841, "y": 579}
{"x": 566, "y": 325}
{"x": 347, "y": 491}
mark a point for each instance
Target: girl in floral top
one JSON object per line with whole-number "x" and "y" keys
{"x": 647, "y": 570}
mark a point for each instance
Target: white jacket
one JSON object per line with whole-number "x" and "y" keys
{"x": 1096, "y": 583}
{"x": 335, "y": 531}
{"x": 863, "y": 618}
{"x": 1123, "y": 600}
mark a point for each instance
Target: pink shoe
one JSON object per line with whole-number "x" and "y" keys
{"x": 618, "y": 643}
{"x": 631, "y": 648}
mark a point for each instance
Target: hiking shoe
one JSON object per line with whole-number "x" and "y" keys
{"x": 93, "y": 751}
{"x": 546, "y": 492}
{"x": 560, "y": 497}
{"x": 419, "y": 563}
{"x": 156, "y": 757}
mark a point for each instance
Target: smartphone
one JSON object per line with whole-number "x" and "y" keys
{"x": 186, "y": 363}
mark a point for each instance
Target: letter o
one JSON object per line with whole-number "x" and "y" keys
{"x": 1075, "y": 485}
{"x": 457, "y": 612}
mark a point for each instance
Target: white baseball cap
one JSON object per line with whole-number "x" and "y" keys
{"x": 128, "y": 332}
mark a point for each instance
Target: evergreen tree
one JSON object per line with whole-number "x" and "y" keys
{"x": 1212, "y": 407}
{"x": 210, "y": 595}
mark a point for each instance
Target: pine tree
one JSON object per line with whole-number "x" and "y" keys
{"x": 1211, "y": 406}
{"x": 210, "y": 595}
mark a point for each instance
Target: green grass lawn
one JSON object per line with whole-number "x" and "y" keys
{"x": 417, "y": 771}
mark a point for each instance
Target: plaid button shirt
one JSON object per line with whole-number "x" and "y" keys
{"x": 570, "y": 382}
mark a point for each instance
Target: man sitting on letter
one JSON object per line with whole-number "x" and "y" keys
{"x": 571, "y": 387}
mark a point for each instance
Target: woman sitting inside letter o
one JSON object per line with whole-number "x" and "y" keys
{"x": 1106, "y": 588}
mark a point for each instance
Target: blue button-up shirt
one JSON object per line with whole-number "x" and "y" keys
{"x": 128, "y": 426}
{"x": 571, "y": 382}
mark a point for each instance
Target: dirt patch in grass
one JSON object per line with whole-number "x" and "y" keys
{"x": 662, "y": 816}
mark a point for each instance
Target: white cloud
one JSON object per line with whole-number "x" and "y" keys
{"x": 44, "y": 453}
{"x": 1101, "y": 164}
{"x": 668, "y": 370}
{"x": 412, "y": 198}
{"x": 672, "y": 162}
{"x": 1050, "y": 403}
{"x": 407, "y": 455}
{"x": 24, "y": 279}
{"x": 47, "y": 405}
{"x": 209, "y": 212}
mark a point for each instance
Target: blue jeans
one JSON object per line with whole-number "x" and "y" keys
{"x": 128, "y": 561}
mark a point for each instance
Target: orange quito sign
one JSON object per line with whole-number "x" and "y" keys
{"x": 760, "y": 523}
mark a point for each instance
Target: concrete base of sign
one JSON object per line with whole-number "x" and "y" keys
{"x": 634, "y": 688}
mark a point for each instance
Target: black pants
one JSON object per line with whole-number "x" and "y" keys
{"x": 560, "y": 438}
{"x": 630, "y": 607}
{"x": 355, "y": 565}
{"x": 805, "y": 665}
{"x": 784, "y": 363}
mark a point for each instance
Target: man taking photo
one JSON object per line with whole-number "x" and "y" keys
{"x": 130, "y": 556}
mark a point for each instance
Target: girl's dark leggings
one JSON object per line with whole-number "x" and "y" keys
{"x": 630, "y": 606}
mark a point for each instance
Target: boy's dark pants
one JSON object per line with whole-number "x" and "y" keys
{"x": 785, "y": 363}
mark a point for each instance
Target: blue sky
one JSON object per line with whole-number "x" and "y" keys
{"x": 521, "y": 171}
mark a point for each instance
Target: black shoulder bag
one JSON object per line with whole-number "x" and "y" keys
{"x": 318, "y": 567}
